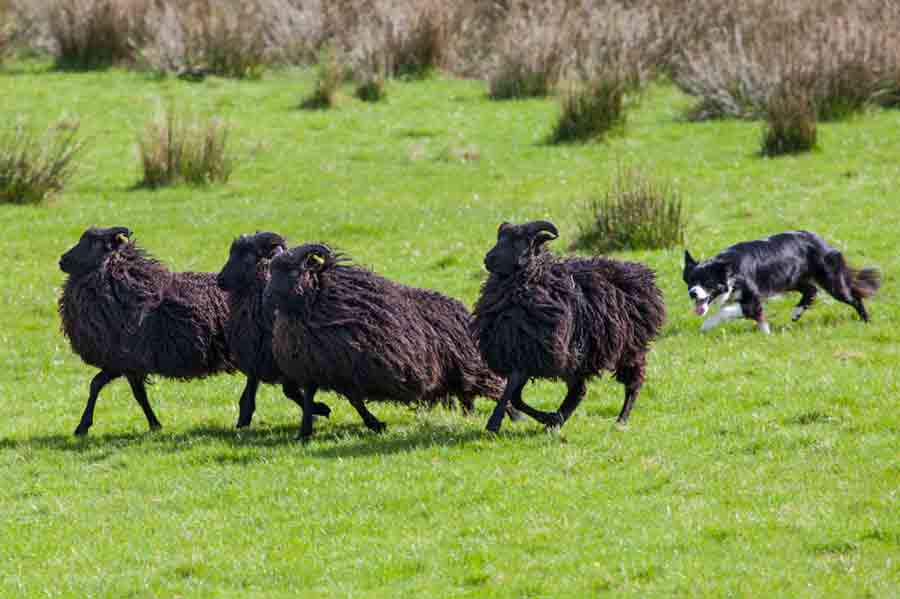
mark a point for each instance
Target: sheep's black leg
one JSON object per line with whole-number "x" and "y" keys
{"x": 545, "y": 418}
{"x": 513, "y": 414}
{"x": 577, "y": 389}
{"x": 632, "y": 376}
{"x": 467, "y": 403}
{"x": 293, "y": 392}
{"x": 248, "y": 402}
{"x": 368, "y": 418}
{"x": 97, "y": 383}
{"x": 514, "y": 385}
{"x": 139, "y": 389}
{"x": 306, "y": 422}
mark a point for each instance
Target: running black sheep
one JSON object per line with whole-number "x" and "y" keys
{"x": 540, "y": 316}
{"x": 244, "y": 278}
{"x": 127, "y": 314}
{"x": 344, "y": 328}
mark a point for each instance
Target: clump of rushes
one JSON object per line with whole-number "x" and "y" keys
{"x": 329, "y": 76}
{"x": 89, "y": 34}
{"x": 790, "y": 125}
{"x": 636, "y": 213}
{"x": 173, "y": 151}
{"x": 33, "y": 168}
{"x": 591, "y": 108}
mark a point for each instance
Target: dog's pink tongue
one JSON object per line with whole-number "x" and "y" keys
{"x": 700, "y": 309}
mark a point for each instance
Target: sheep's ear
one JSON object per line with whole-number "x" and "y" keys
{"x": 504, "y": 226}
{"x": 314, "y": 261}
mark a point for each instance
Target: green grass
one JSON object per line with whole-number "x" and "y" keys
{"x": 752, "y": 466}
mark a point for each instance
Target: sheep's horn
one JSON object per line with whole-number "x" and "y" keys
{"x": 319, "y": 248}
{"x": 540, "y": 226}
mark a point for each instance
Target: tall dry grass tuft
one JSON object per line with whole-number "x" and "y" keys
{"x": 330, "y": 74}
{"x": 175, "y": 150}
{"x": 209, "y": 37}
{"x": 845, "y": 54}
{"x": 790, "y": 123}
{"x": 591, "y": 108}
{"x": 636, "y": 213}
{"x": 33, "y": 168}
{"x": 89, "y": 34}
{"x": 534, "y": 45}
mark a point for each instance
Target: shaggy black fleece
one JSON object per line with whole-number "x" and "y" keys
{"x": 125, "y": 313}
{"x": 539, "y": 316}
{"x": 345, "y": 328}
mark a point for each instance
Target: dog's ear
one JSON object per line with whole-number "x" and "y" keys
{"x": 689, "y": 265}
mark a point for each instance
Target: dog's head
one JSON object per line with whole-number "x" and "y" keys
{"x": 706, "y": 281}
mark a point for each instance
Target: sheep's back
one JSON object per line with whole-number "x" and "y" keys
{"x": 179, "y": 334}
{"x": 364, "y": 338}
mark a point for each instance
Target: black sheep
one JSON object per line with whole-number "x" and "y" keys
{"x": 127, "y": 314}
{"x": 244, "y": 278}
{"x": 540, "y": 316}
{"x": 342, "y": 327}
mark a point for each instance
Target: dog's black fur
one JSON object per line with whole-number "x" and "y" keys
{"x": 748, "y": 273}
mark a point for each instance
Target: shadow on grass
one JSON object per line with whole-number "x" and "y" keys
{"x": 337, "y": 441}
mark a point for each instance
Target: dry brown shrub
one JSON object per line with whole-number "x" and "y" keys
{"x": 790, "y": 122}
{"x": 844, "y": 53}
{"x": 175, "y": 149}
{"x": 208, "y": 37}
{"x": 89, "y": 34}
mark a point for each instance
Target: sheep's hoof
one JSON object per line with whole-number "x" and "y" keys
{"x": 242, "y": 424}
{"x": 155, "y": 426}
{"x": 81, "y": 430}
{"x": 320, "y": 409}
{"x": 377, "y": 426}
{"x": 553, "y": 423}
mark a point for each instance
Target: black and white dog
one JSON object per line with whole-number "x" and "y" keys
{"x": 745, "y": 275}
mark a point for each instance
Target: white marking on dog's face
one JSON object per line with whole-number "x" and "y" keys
{"x": 698, "y": 293}
{"x": 726, "y": 313}
{"x": 700, "y": 297}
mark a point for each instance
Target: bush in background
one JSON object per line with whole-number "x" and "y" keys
{"x": 591, "y": 108}
{"x": 90, "y": 34}
{"x": 845, "y": 54}
{"x": 330, "y": 75}
{"x": 175, "y": 150}
{"x": 790, "y": 123}
{"x": 636, "y": 213}
{"x": 33, "y": 168}
{"x": 531, "y": 50}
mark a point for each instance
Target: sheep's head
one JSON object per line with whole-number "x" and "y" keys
{"x": 516, "y": 244}
{"x": 295, "y": 272}
{"x": 247, "y": 251}
{"x": 93, "y": 248}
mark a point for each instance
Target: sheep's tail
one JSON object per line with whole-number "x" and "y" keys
{"x": 863, "y": 282}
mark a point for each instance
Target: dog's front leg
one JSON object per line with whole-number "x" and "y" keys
{"x": 725, "y": 313}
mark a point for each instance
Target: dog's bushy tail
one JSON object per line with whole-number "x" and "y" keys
{"x": 863, "y": 282}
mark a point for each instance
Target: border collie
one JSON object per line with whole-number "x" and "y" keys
{"x": 744, "y": 276}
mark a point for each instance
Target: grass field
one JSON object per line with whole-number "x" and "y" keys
{"x": 752, "y": 465}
